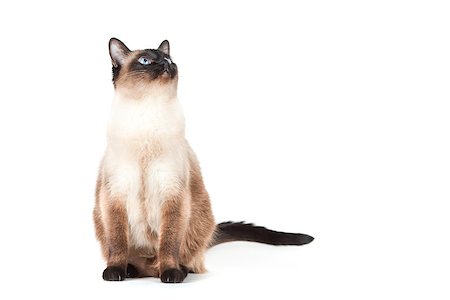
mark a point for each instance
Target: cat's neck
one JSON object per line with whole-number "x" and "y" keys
{"x": 136, "y": 91}
{"x": 146, "y": 92}
{"x": 153, "y": 115}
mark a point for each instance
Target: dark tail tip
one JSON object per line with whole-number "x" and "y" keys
{"x": 306, "y": 239}
{"x": 240, "y": 231}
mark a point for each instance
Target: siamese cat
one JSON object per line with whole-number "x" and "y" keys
{"x": 152, "y": 212}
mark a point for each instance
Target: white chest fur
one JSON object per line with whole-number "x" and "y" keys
{"x": 146, "y": 159}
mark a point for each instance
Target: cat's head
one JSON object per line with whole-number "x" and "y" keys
{"x": 142, "y": 69}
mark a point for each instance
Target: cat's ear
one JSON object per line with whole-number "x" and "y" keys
{"x": 118, "y": 52}
{"x": 164, "y": 47}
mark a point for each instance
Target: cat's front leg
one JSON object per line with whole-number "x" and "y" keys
{"x": 173, "y": 227}
{"x": 117, "y": 240}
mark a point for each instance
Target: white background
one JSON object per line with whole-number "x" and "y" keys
{"x": 324, "y": 117}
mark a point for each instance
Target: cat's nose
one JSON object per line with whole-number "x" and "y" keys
{"x": 166, "y": 68}
{"x": 167, "y": 63}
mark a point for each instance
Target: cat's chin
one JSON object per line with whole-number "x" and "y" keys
{"x": 167, "y": 75}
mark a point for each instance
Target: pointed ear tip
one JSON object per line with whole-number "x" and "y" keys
{"x": 114, "y": 40}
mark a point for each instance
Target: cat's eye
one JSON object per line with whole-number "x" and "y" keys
{"x": 144, "y": 60}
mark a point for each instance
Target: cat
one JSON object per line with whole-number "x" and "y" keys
{"x": 152, "y": 212}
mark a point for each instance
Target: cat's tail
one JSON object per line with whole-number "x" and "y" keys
{"x": 240, "y": 231}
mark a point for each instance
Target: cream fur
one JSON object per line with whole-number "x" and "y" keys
{"x": 146, "y": 159}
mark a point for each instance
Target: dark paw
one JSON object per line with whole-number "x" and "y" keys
{"x": 173, "y": 275}
{"x": 114, "y": 274}
{"x": 132, "y": 272}
{"x": 185, "y": 270}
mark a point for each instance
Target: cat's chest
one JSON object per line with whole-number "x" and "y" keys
{"x": 145, "y": 160}
{"x": 146, "y": 147}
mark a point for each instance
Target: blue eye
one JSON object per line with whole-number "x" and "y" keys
{"x": 144, "y": 60}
